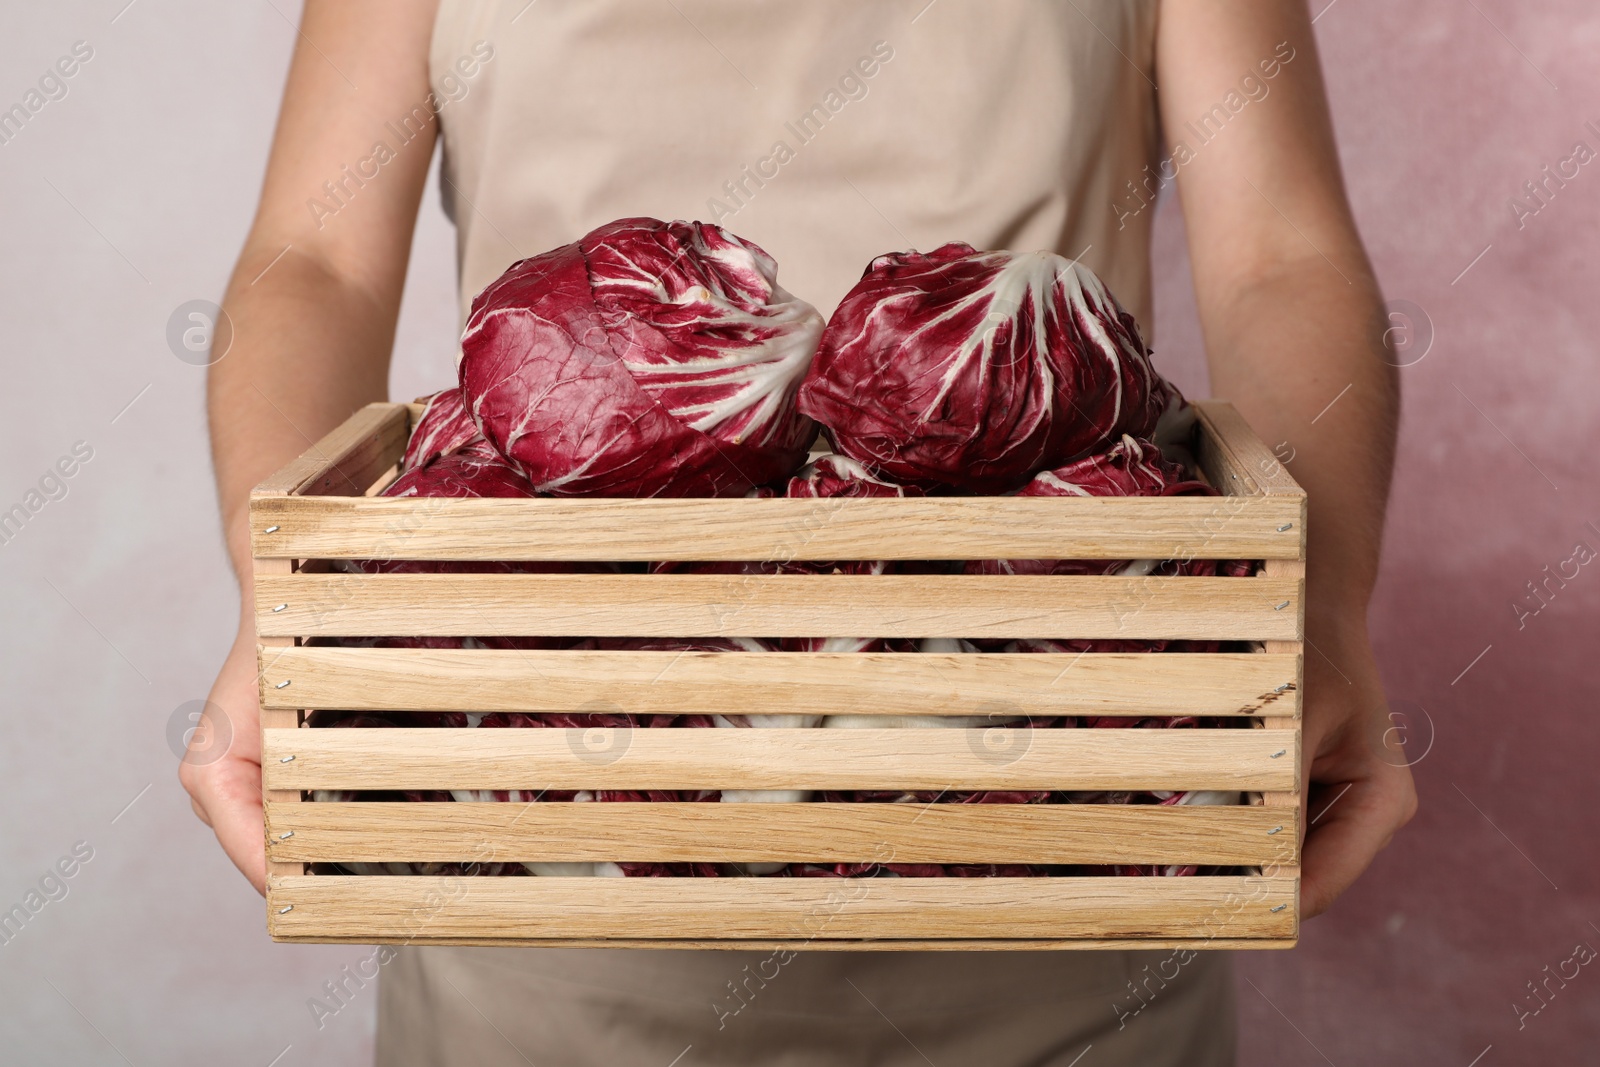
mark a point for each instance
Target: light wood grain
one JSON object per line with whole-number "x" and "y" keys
{"x": 750, "y": 833}
{"x": 1290, "y": 802}
{"x": 1236, "y": 459}
{"x": 826, "y": 944}
{"x": 1218, "y": 464}
{"x": 909, "y": 758}
{"x": 837, "y": 605}
{"x": 781, "y": 529}
{"x": 385, "y": 480}
{"x": 277, "y": 717}
{"x": 343, "y": 463}
{"x": 1295, "y": 571}
{"x": 412, "y": 908}
{"x": 860, "y": 683}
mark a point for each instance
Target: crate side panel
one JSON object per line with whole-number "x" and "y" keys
{"x": 388, "y": 908}
{"x": 707, "y": 605}
{"x": 861, "y": 683}
{"x": 909, "y": 758}
{"x": 344, "y": 463}
{"x": 1235, "y": 459}
{"x": 709, "y": 529}
{"x": 752, "y": 833}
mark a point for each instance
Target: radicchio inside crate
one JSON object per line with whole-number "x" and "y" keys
{"x": 324, "y": 508}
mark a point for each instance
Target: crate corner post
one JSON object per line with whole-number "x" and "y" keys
{"x": 352, "y": 460}
{"x": 1239, "y": 462}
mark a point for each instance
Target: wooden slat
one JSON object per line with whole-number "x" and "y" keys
{"x": 708, "y": 605}
{"x": 1220, "y": 465}
{"x": 750, "y": 833}
{"x": 278, "y": 716}
{"x": 384, "y": 481}
{"x": 413, "y": 908}
{"x": 1293, "y": 570}
{"x": 1288, "y": 803}
{"x": 654, "y": 529}
{"x": 909, "y": 758}
{"x": 828, "y": 944}
{"x": 712, "y": 683}
{"x": 1236, "y": 459}
{"x": 343, "y": 463}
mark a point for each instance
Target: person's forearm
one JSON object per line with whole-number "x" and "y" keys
{"x": 309, "y": 347}
{"x": 313, "y": 300}
{"x": 1299, "y": 353}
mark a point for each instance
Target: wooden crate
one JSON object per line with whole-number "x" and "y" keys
{"x": 323, "y": 507}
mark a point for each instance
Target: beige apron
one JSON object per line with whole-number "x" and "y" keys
{"x": 1003, "y": 123}
{"x": 483, "y": 1007}
{"x": 827, "y": 131}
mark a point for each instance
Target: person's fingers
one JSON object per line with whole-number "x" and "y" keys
{"x": 199, "y": 811}
{"x": 1355, "y": 778}
{"x": 222, "y": 768}
{"x": 231, "y": 797}
{"x": 1347, "y": 825}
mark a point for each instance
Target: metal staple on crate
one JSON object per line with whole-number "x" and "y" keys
{"x": 270, "y": 529}
{"x": 1279, "y": 908}
{"x": 1286, "y": 526}
{"x": 1274, "y": 830}
{"x": 286, "y": 759}
{"x": 285, "y": 837}
{"x": 281, "y": 684}
{"x": 279, "y": 608}
{"x": 286, "y": 909}
{"x": 1275, "y": 755}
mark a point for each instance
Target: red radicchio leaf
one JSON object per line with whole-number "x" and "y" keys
{"x": 445, "y": 427}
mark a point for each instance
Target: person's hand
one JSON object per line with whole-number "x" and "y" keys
{"x": 1355, "y": 777}
{"x": 225, "y": 787}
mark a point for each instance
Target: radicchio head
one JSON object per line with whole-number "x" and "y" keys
{"x": 646, "y": 359}
{"x": 976, "y": 369}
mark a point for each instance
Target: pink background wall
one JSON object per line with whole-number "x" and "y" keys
{"x": 1440, "y": 122}
{"x": 130, "y": 196}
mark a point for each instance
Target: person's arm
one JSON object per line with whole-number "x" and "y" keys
{"x": 1293, "y": 322}
{"x": 313, "y": 303}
